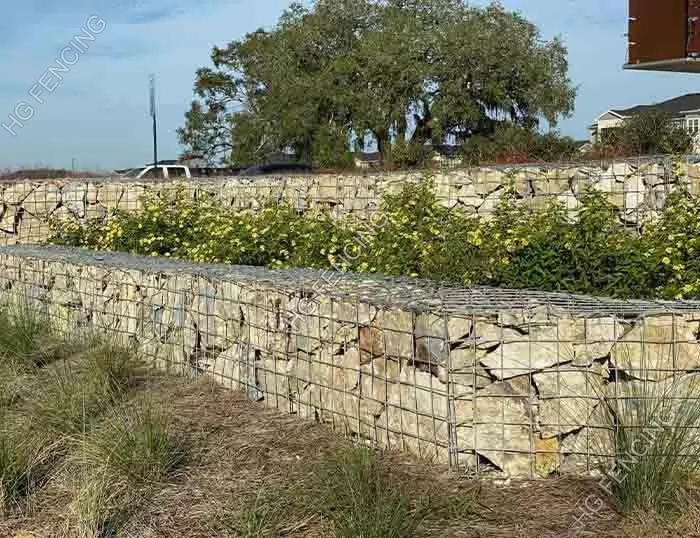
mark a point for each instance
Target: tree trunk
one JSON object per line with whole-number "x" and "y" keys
{"x": 382, "y": 143}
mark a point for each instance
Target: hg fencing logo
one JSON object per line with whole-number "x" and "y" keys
{"x": 52, "y": 77}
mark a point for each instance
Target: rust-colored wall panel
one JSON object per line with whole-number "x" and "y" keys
{"x": 657, "y": 30}
{"x": 693, "y": 27}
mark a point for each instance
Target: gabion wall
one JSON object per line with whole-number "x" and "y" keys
{"x": 638, "y": 189}
{"x": 485, "y": 380}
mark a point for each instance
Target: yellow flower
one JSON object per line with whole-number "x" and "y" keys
{"x": 666, "y": 261}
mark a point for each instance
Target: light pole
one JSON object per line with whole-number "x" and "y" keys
{"x": 153, "y": 116}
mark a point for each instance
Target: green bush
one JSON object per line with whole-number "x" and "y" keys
{"x": 648, "y": 132}
{"x": 513, "y": 144}
{"x": 414, "y": 235}
{"x": 403, "y": 154}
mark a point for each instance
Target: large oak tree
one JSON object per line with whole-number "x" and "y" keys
{"x": 341, "y": 69}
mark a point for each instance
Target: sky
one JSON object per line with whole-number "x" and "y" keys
{"x": 96, "y": 115}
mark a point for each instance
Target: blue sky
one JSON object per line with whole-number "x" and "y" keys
{"x": 98, "y": 112}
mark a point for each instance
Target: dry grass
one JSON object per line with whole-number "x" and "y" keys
{"x": 255, "y": 473}
{"x": 91, "y": 446}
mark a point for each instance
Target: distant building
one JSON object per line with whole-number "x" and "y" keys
{"x": 368, "y": 160}
{"x": 685, "y": 110}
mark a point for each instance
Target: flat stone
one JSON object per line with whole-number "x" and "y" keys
{"x": 657, "y": 346}
{"x": 497, "y": 423}
{"x": 595, "y": 338}
{"x": 16, "y": 193}
{"x": 43, "y": 200}
{"x": 540, "y": 349}
{"x": 568, "y": 397}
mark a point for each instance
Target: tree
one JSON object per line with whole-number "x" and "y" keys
{"x": 649, "y": 132}
{"x": 409, "y": 70}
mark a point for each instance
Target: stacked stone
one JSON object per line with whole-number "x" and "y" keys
{"x": 520, "y": 382}
{"x": 638, "y": 192}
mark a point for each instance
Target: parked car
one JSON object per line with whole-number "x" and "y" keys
{"x": 276, "y": 168}
{"x": 162, "y": 171}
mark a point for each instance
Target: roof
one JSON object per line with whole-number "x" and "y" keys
{"x": 677, "y": 105}
{"x": 369, "y": 157}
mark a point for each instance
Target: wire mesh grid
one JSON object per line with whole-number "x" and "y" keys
{"x": 484, "y": 380}
{"x": 637, "y": 188}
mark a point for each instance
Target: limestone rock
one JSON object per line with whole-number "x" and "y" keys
{"x": 490, "y": 203}
{"x": 595, "y": 337}
{"x": 43, "y": 200}
{"x": 538, "y": 350}
{"x": 658, "y": 345}
{"x": 497, "y": 423}
{"x": 486, "y": 181}
{"x": 635, "y": 192}
{"x": 464, "y": 370}
{"x": 16, "y": 193}
{"x": 567, "y": 398}
{"x": 414, "y": 419}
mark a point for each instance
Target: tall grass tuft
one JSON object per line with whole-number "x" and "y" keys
{"x": 27, "y": 339}
{"x": 260, "y": 519}
{"x": 654, "y": 434}
{"x": 119, "y": 461}
{"x": 72, "y": 397}
{"x": 98, "y": 508}
{"x": 138, "y": 443}
{"x": 16, "y": 467}
{"x": 359, "y": 500}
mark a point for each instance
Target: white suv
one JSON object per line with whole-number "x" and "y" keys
{"x": 162, "y": 171}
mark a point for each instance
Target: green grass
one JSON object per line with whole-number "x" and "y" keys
{"x": 16, "y": 469}
{"x": 27, "y": 340}
{"x": 261, "y": 518}
{"x": 137, "y": 443}
{"x": 130, "y": 452}
{"x": 355, "y": 495}
{"x": 348, "y": 493}
{"x": 98, "y": 507}
{"x": 73, "y": 396}
{"x": 655, "y": 429}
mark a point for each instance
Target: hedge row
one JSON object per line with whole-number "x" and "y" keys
{"x": 413, "y": 235}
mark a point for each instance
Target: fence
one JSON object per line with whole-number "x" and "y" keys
{"x": 481, "y": 379}
{"x": 638, "y": 190}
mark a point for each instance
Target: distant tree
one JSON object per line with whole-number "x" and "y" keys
{"x": 648, "y": 132}
{"x": 407, "y": 70}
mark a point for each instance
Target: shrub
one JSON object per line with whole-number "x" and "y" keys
{"x": 415, "y": 235}
{"x": 511, "y": 144}
{"x": 404, "y": 154}
{"x": 648, "y": 132}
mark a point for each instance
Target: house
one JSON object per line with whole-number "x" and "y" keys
{"x": 583, "y": 146}
{"x": 368, "y": 160}
{"x": 685, "y": 110}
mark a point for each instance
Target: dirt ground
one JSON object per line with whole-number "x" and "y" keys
{"x": 240, "y": 448}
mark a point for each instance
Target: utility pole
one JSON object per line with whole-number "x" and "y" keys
{"x": 153, "y": 116}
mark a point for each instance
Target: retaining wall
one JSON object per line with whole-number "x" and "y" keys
{"x": 482, "y": 379}
{"x": 639, "y": 190}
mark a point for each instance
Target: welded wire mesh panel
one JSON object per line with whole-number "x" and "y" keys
{"x": 485, "y": 380}
{"x": 637, "y": 189}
